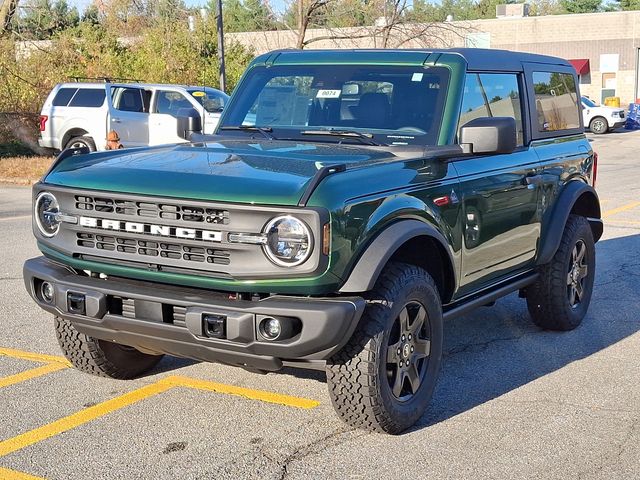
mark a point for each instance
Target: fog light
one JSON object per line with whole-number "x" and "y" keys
{"x": 271, "y": 328}
{"x": 47, "y": 292}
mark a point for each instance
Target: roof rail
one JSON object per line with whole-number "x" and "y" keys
{"x": 106, "y": 79}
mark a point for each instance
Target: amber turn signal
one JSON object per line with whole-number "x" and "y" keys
{"x": 326, "y": 238}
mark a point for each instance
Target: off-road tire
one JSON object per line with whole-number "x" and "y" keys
{"x": 357, "y": 376}
{"x": 82, "y": 141}
{"x": 100, "y": 357}
{"x": 598, "y": 125}
{"x": 548, "y": 298}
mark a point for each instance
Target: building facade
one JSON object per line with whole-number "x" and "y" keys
{"x": 603, "y": 47}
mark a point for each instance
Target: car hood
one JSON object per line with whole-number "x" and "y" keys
{"x": 602, "y": 110}
{"x": 261, "y": 172}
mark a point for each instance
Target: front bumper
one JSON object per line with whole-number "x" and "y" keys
{"x": 168, "y": 319}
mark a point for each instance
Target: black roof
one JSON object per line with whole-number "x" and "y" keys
{"x": 477, "y": 58}
{"x": 488, "y": 59}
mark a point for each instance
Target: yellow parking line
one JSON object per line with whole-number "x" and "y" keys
{"x": 32, "y": 373}
{"x": 83, "y": 416}
{"x": 36, "y": 357}
{"x": 7, "y": 474}
{"x": 623, "y": 208}
{"x": 263, "y": 396}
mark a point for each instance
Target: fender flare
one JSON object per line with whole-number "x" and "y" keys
{"x": 374, "y": 257}
{"x": 552, "y": 236}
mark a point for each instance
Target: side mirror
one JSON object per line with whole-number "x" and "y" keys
{"x": 489, "y": 135}
{"x": 189, "y": 121}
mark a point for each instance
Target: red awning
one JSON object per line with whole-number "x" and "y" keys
{"x": 581, "y": 65}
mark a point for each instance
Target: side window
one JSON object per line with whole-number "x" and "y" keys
{"x": 556, "y": 101}
{"x": 128, "y": 99}
{"x": 492, "y": 95}
{"x": 88, "y": 97}
{"x": 63, "y": 96}
{"x": 170, "y": 103}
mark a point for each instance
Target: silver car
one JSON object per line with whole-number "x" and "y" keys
{"x": 81, "y": 114}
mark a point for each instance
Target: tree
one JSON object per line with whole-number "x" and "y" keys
{"x": 7, "y": 12}
{"x": 42, "y": 19}
{"x": 390, "y": 23}
{"x": 582, "y": 6}
{"x": 245, "y": 16}
{"x": 629, "y": 4}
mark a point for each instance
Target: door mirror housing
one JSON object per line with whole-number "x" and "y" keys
{"x": 489, "y": 135}
{"x": 189, "y": 122}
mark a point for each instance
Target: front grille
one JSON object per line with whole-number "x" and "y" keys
{"x": 173, "y": 236}
{"x": 169, "y": 250}
{"x": 151, "y": 210}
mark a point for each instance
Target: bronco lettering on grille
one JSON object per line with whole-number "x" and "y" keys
{"x": 160, "y": 230}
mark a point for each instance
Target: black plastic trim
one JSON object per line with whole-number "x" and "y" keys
{"x": 468, "y": 304}
{"x": 327, "y": 323}
{"x": 364, "y": 275}
{"x": 552, "y": 233}
{"x": 320, "y": 175}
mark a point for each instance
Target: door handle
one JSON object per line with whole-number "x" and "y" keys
{"x": 116, "y": 120}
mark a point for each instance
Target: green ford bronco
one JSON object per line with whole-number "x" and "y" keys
{"x": 349, "y": 203}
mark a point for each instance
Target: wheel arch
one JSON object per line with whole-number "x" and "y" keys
{"x": 404, "y": 241}
{"x": 576, "y": 198}
{"x": 72, "y": 132}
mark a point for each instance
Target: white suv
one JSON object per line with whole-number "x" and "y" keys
{"x": 81, "y": 114}
{"x": 601, "y": 119}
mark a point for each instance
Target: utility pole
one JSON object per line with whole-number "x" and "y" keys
{"x": 223, "y": 79}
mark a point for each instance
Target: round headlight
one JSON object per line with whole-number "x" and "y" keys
{"x": 46, "y": 211}
{"x": 289, "y": 241}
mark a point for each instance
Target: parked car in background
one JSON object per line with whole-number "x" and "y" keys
{"x": 81, "y": 114}
{"x": 601, "y": 119}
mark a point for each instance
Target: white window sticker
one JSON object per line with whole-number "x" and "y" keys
{"x": 417, "y": 77}
{"x": 328, "y": 94}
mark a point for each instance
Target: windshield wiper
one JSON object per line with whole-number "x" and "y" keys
{"x": 366, "y": 138}
{"x": 265, "y": 131}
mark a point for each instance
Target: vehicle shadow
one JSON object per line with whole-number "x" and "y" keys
{"x": 498, "y": 349}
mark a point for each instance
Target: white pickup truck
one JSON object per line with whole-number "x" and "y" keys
{"x": 81, "y": 114}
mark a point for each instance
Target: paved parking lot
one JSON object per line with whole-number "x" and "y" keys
{"x": 512, "y": 401}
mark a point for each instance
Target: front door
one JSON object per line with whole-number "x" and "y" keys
{"x": 129, "y": 114}
{"x": 163, "y": 121}
{"x": 500, "y": 193}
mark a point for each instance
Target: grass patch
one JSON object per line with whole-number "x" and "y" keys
{"x": 23, "y": 169}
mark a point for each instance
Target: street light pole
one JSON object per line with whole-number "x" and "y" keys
{"x": 223, "y": 82}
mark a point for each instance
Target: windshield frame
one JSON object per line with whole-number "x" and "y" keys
{"x": 257, "y": 77}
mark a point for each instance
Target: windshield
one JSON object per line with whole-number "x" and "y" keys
{"x": 213, "y": 101}
{"x": 390, "y": 104}
{"x": 589, "y": 103}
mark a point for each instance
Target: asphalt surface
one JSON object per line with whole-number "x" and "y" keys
{"x": 512, "y": 401}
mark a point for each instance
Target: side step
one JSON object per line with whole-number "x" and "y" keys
{"x": 466, "y": 305}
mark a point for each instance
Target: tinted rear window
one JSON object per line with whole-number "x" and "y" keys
{"x": 556, "y": 101}
{"x": 88, "y": 97}
{"x": 63, "y": 96}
